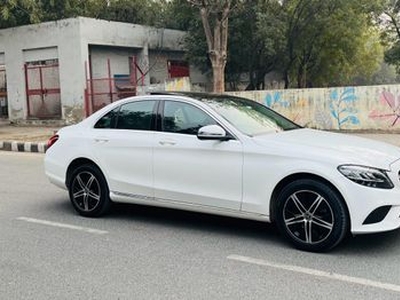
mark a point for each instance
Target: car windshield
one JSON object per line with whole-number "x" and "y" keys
{"x": 248, "y": 116}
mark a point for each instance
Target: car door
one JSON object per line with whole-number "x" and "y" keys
{"x": 124, "y": 141}
{"x": 192, "y": 171}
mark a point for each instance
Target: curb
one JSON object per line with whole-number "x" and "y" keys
{"x": 15, "y": 146}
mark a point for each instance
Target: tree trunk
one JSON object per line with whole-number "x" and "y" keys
{"x": 260, "y": 80}
{"x": 218, "y": 77}
{"x": 302, "y": 77}
{"x": 287, "y": 80}
{"x": 217, "y": 38}
{"x": 251, "y": 85}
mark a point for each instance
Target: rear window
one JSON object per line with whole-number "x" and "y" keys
{"x": 135, "y": 115}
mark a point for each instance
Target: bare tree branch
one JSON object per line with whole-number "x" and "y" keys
{"x": 394, "y": 22}
{"x": 207, "y": 29}
{"x": 215, "y": 13}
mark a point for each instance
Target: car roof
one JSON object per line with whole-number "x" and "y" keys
{"x": 197, "y": 95}
{"x": 187, "y": 94}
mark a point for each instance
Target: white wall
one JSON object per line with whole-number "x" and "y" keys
{"x": 70, "y": 40}
{"x": 119, "y": 60}
{"x": 158, "y": 61}
{"x": 17, "y": 42}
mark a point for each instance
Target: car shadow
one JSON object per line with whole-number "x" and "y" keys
{"x": 386, "y": 242}
{"x": 194, "y": 221}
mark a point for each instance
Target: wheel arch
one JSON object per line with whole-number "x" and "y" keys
{"x": 76, "y": 163}
{"x": 293, "y": 177}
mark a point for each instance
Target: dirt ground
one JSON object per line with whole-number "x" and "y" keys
{"x": 26, "y": 134}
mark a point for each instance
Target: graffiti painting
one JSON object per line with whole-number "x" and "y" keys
{"x": 323, "y": 119}
{"x": 342, "y": 107}
{"x": 390, "y": 108}
{"x": 272, "y": 100}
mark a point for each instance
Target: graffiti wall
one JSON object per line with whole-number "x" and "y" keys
{"x": 181, "y": 84}
{"x": 344, "y": 108}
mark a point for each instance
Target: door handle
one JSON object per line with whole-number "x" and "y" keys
{"x": 167, "y": 143}
{"x": 101, "y": 140}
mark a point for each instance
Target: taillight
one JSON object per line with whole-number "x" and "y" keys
{"x": 52, "y": 140}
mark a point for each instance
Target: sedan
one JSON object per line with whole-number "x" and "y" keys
{"x": 229, "y": 156}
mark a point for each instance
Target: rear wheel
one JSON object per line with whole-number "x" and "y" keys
{"x": 88, "y": 191}
{"x": 311, "y": 215}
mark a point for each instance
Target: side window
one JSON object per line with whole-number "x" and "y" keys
{"x": 108, "y": 120}
{"x": 184, "y": 118}
{"x": 136, "y": 115}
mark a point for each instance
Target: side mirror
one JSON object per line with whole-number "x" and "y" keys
{"x": 212, "y": 132}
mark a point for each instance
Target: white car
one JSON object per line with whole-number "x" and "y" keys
{"x": 229, "y": 156}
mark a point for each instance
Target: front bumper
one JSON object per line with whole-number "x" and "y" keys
{"x": 362, "y": 201}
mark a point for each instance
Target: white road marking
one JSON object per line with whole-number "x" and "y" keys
{"x": 62, "y": 225}
{"x": 318, "y": 273}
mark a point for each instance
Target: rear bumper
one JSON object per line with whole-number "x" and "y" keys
{"x": 55, "y": 172}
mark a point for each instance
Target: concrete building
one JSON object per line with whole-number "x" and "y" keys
{"x": 62, "y": 71}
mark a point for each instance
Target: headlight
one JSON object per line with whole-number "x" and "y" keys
{"x": 367, "y": 176}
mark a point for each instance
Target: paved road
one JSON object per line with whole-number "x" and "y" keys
{"x": 48, "y": 252}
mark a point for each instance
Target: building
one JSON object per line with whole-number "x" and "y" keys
{"x": 59, "y": 72}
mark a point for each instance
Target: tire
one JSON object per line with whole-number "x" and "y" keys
{"x": 88, "y": 191}
{"x": 311, "y": 215}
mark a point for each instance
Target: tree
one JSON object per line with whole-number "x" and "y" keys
{"x": 23, "y": 12}
{"x": 214, "y": 15}
{"x": 52, "y": 10}
{"x": 310, "y": 42}
{"x": 180, "y": 15}
{"x": 133, "y": 11}
{"x": 326, "y": 41}
{"x": 18, "y": 12}
{"x": 266, "y": 45}
{"x": 390, "y": 20}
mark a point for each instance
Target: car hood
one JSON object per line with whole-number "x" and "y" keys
{"x": 337, "y": 147}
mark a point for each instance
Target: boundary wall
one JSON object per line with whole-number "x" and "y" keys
{"x": 364, "y": 108}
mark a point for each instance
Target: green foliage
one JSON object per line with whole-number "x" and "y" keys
{"x": 390, "y": 20}
{"x": 386, "y": 74}
{"x": 181, "y": 15}
{"x": 269, "y": 37}
{"x": 310, "y": 42}
{"x": 329, "y": 42}
{"x": 60, "y": 9}
{"x": 256, "y": 38}
{"x": 133, "y": 11}
{"x": 392, "y": 56}
{"x": 22, "y": 12}
{"x": 18, "y": 12}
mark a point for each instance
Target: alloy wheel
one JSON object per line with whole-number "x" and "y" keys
{"x": 86, "y": 191}
{"x": 308, "y": 217}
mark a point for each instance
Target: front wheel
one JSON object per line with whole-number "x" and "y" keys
{"x": 311, "y": 215}
{"x": 88, "y": 191}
